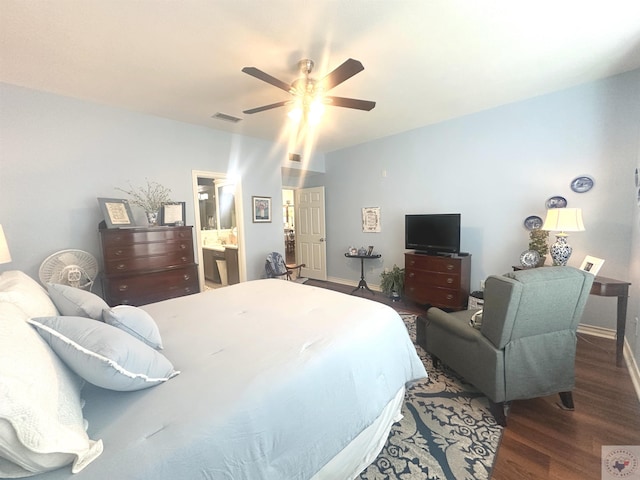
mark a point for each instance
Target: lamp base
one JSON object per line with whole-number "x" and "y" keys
{"x": 561, "y": 250}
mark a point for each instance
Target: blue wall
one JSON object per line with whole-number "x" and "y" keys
{"x": 496, "y": 168}
{"x": 57, "y": 155}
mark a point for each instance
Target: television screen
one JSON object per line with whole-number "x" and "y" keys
{"x": 433, "y": 233}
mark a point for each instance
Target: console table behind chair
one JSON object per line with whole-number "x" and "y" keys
{"x": 609, "y": 287}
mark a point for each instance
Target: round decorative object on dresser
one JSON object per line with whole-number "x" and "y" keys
{"x": 529, "y": 258}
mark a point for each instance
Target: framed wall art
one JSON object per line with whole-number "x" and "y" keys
{"x": 261, "y": 209}
{"x": 371, "y": 219}
{"x": 172, "y": 214}
{"x": 117, "y": 212}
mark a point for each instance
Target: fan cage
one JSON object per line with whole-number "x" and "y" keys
{"x": 75, "y": 268}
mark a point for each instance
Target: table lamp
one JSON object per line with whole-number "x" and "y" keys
{"x": 562, "y": 220}
{"x": 5, "y": 256}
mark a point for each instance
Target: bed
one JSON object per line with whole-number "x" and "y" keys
{"x": 267, "y": 379}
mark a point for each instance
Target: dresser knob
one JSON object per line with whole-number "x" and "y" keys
{"x": 123, "y": 287}
{"x": 117, "y": 252}
{"x": 187, "y": 277}
{"x": 450, "y": 267}
{"x": 411, "y": 275}
{"x": 121, "y": 266}
{"x": 449, "y": 280}
{"x": 183, "y": 246}
{"x": 184, "y": 259}
{"x": 449, "y": 297}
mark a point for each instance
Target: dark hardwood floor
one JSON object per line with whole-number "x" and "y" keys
{"x": 542, "y": 441}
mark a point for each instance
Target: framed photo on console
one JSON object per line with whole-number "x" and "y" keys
{"x": 591, "y": 264}
{"x": 117, "y": 212}
{"x": 172, "y": 214}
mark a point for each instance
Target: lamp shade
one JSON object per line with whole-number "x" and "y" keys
{"x": 564, "y": 220}
{"x": 5, "y": 256}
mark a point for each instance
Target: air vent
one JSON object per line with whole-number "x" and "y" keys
{"x": 294, "y": 157}
{"x": 225, "y": 117}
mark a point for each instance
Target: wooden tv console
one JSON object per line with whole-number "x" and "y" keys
{"x": 441, "y": 281}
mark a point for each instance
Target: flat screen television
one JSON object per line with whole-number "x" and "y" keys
{"x": 435, "y": 234}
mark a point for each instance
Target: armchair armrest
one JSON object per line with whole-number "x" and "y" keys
{"x": 453, "y": 324}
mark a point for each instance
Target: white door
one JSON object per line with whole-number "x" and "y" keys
{"x": 311, "y": 247}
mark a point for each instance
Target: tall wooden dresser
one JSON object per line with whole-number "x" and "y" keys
{"x": 145, "y": 265}
{"x": 440, "y": 281}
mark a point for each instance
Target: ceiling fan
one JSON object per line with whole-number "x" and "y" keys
{"x": 309, "y": 93}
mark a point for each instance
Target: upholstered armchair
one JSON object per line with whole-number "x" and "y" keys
{"x": 525, "y": 345}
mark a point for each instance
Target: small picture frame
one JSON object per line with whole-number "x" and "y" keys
{"x": 172, "y": 214}
{"x": 370, "y": 250}
{"x": 591, "y": 264}
{"x": 117, "y": 212}
{"x": 371, "y": 220}
{"x": 261, "y": 209}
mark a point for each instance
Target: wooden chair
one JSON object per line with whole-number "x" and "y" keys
{"x": 275, "y": 267}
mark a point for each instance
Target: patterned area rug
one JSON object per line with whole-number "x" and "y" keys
{"x": 447, "y": 432}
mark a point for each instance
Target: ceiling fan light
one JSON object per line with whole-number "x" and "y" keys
{"x": 316, "y": 110}
{"x": 295, "y": 114}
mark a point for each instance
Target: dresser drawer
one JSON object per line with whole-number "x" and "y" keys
{"x": 151, "y": 287}
{"x": 433, "y": 263}
{"x": 115, "y": 238}
{"x": 417, "y": 277}
{"x": 145, "y": 249}
{"x": 153, "y": 262}
{"x": 438, "y": 297}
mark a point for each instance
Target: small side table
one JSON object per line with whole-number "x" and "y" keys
{"x": 362, "y": 285}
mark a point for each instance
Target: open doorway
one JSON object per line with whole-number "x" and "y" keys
{"x": 303, "y": 214}
{"x": 219, "y": 238}
{"x": 288, "y": 218}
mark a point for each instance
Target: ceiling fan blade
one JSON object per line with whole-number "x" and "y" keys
{"x": 265, "y": 77}
{"x": 351, "y": 103}
{"x": 266, "y": 107}
{"x": 344, "y": 72}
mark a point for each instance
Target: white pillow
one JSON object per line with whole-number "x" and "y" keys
{"x": 41, "y": 424}
{"x": 104, "y": 355}
{"x": 136, "y": 322}
{"x": 18, "y": 288}
{"x": 73, "y": 301}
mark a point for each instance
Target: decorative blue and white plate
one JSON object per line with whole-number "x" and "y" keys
{"x": 532, "y": 222}
{"x": 556, "y": 202}
{"x": 529, "y": 258}
{"x": 582, "y": 184}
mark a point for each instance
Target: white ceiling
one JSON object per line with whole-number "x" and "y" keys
{"x": 425, "y": 60}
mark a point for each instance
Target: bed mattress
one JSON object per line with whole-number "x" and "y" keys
{"x": 276, "y": 379}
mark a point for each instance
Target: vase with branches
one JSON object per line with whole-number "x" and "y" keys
{"x": 149, "y": 197}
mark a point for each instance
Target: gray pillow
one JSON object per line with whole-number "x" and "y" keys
{"x": 104, "y": 355}
{"x": 136, "y": 322}
{"x": 71, "y": 301}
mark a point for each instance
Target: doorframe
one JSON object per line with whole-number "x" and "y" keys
{"x": 242, "y": 261}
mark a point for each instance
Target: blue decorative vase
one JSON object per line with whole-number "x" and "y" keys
{"x": 561, "y": 250}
